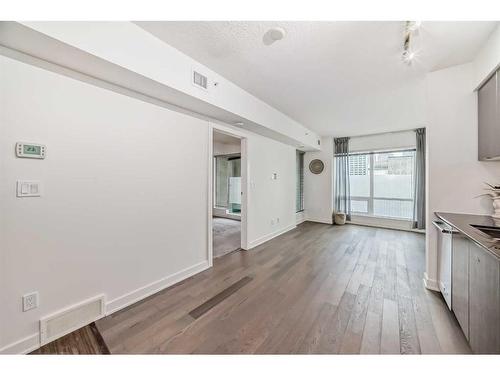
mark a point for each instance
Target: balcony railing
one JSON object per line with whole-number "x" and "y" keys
{"x": 396, "y": 208}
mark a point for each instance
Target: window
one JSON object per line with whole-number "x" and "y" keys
{"x": 299, "y": 200}
{"x": 382, "y": 184}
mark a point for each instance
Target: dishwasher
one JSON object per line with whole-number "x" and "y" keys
{"x": 445, "y": 233}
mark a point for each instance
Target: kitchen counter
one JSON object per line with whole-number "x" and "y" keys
{"x": 462, "y": 223}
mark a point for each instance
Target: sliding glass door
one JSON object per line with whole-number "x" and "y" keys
{"x": 227, "y": 183}
{"x": 221, "y": 169}
{"x": 382, "y": 184}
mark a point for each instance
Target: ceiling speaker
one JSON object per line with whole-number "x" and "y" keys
{"x": 316, "y": 166}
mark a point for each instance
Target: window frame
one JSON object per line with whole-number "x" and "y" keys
{"x": 228, "y": 158}
{"x": 371, "y": 198}
{"x": 299, "y": 184}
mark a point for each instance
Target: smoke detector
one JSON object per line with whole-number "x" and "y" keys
{"x": 277, "y": 33}
{"x": 273, "y": 35}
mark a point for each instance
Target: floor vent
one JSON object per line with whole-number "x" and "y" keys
{"x": 70, "y": 319}
{"x": 215, "y": 300}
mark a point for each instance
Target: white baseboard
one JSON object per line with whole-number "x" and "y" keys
{"x": 301, "y": 220}
{"x": 23, "y": 346}
{"x": 322, "y": 221}
{"x": 150, "y": 289}
{"x": 430, "y": 284}
{"x": 300, "y": 217}
{"x": 270, "y": 236}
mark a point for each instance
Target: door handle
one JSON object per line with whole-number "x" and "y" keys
{"x": 442, "y": 229}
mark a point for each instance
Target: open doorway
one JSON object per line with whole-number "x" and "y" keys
{"x": 227, "y": 194}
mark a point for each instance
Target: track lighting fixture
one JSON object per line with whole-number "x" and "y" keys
{"x": 410, "y": 28}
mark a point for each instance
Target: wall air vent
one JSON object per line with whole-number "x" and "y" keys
{"x": 71, "y": 318}
{"x": 199, "y": 80}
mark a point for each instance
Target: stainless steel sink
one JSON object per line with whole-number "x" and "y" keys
{"x": 490, "y": 231}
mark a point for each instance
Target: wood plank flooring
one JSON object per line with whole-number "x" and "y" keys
{"x": 316, "y": 289}
{"x": 86, "y": 340}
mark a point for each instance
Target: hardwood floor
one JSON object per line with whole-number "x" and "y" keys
{"x": 86, "y": 340}
{"x": 316, "y": 289}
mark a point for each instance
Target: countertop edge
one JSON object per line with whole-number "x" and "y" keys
{"x": 441, "y": 216}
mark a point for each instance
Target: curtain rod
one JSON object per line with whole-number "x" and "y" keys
{"x": 380, "y": 151}
{"x": 388, "y": 132}
{"x": 386, "y": 151}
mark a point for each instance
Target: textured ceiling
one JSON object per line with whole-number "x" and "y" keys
{"x": 337, "y": 78}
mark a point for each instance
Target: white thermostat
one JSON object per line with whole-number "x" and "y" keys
{"x": 30, "y": 150}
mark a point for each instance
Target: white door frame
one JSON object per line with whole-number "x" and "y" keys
{"x": 244, "y": 185}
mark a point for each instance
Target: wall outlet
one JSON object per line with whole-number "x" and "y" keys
{"x": 30, "y": 301}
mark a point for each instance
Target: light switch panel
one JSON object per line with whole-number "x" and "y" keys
{"x": 28, "y": 188}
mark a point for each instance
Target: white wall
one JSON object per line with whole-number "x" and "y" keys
{"x": 488, "y": 58}
{"x": 272, "y": 201}
{"x": 385, "y": 141}
{"x": 455, "y": 176}
{"x": 128, "y": 46}
{"x": 380, "y": 109}
{"x": 318, "y": 188}
{"x": 111, "y": 219}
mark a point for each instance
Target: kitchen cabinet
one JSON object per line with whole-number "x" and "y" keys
{"x": 484, "y": 301}
{"x": 489, "y": 119}
{"x": 475, "y": 277}
{"x": 460, "y": 280}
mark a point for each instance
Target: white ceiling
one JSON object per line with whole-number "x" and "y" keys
{"x": 336, "y": 78}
